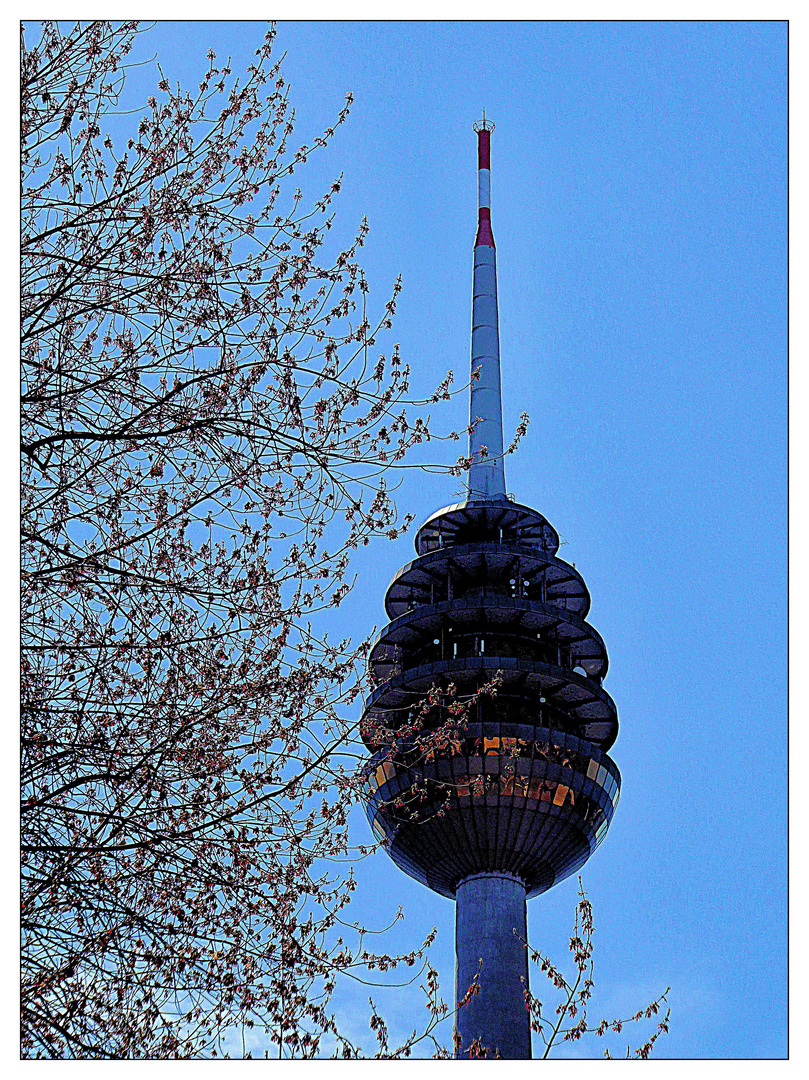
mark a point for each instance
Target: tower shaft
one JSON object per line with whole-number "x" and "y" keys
{"x": 490, "y": 928}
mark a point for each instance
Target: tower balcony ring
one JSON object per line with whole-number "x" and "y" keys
{"x": 424, "y": 621}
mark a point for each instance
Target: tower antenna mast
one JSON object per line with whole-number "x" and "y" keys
{"x": 487, "y": 478}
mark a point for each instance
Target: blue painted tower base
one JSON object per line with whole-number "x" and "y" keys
{"x": 490, "y": 926}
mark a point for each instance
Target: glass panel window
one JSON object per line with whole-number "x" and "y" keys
{"x": 601, "y": 777}
{"x": 592, "y": 769}
{"x": 559, "y": 797}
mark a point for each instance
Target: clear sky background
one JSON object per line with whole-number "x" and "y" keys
{"x": 639, "y": 210}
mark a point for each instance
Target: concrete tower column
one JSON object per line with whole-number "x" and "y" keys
{"x": 490, "y": 907}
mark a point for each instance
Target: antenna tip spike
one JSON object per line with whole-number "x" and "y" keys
{"x": 484, "y": 124}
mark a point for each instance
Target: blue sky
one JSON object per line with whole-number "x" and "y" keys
{"x": 639, "y": 209}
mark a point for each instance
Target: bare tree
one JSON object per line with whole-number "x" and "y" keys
{"x": 201, "y": 415}
{"x": 568, "y": 1022}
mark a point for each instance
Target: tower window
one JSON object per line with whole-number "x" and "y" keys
{"x": 559, "y": 797}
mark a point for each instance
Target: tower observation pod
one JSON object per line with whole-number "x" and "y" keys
{"x": 499, "y": 805}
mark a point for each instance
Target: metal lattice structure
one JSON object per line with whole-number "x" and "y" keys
{"x": 523, "y": 789}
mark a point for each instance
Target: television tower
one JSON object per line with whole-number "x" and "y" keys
{"x": 522, "y": 792}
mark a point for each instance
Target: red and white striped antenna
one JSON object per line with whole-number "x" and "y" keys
{"x": 486, "y": 475}
{"x": 484, "y": 128}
